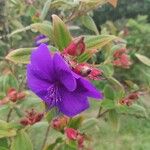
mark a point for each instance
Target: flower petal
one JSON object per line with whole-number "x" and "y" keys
{"x": 72, "y": 103}
{"x": 41, "y": 59}
{"x": 36, "y": 84}
{"x": 35, "y": 81}
{"x": 63, "y": 72}
{"x": 88, "y": 88}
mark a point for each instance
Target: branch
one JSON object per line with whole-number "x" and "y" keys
{"x": 102, "y": 114}
{"x": 46, "y": 136}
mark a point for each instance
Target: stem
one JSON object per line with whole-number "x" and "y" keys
{"x": 99, "y": 112}
{"x": 102, "y": 114}
{"x": 46, "y": 136}
{"x": 9, "y": 115}
{"x": 15, "y": 32}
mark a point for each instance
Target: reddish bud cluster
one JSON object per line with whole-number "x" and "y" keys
{"x": 60, "y": 123}
{"x": 14, "y": 95}
{"x": 130, "y": 99}
{"x": 86, "y": 70}
{"x": 75, "y": 135}
{"x": 121, "y": 58}
{"x": 31, "y": 118}
{"x": 76, "y": 47}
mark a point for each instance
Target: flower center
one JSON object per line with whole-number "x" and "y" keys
{"x": 53, "y": 96}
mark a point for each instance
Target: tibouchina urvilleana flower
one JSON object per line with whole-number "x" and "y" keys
{"x": 57, "y": 85}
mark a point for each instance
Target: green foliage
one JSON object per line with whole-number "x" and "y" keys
{"x": 62, "y": 37}
{"x": 115, "y": 121}
{"x": 21, "y": 141}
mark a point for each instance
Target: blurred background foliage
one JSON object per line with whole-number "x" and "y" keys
{"x": 130, "y": 20}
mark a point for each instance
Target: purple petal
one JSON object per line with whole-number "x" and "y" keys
{"x": 88, "y": 88}
{"x": 35, "y": 82}
{"x": 63, "y": 73}
{"x": 72, "y": 103}
{"x": 41, "y": 60}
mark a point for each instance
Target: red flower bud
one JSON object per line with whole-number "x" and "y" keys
{"x": 60, "y": 123}
{"x": 129, "y": 99}
{"x": 12, "y": 94}
{"x": 80, "y": 139}
{"x": 76, "y": 47}
{"x": 21, "y": 95}
{"x": 24, "y": 122}
{"x": 121, "y": 59}
{"x": 95, "y": 74}
{"x": 71, "y": 133}
{"x": 31, "y": 118}
{"x": 82, "y": 69}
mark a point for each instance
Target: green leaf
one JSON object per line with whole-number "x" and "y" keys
{"x": 135, "y": 108}
{"x": 21, "y": 142}
{"x": 108, "y": 104}
{"x": 108, "y": 70}
{"x": 83, "y": 57}
{"x": 75, "y": 122}
{"x": 51, "y": 114}
{"x": 109, "y": 92}
{"x": 21, "y": 55}
{"x": 3, "y": 143}
{"x": 3, "y": 148}
{"x": 45, "y": 9}
{"x": 89, "y": 23}
{"x": 62, "y": 36}
{"x": 117, "y": 86}
{"x": 44, "y": 28}
{"x": 53, "y": 145}
{"x": 88, "y": 123}
{"x": 99, "y": 41}
{"x": 113, "y": 116}
{"x": 6, "y": 130}
{"x": 8, "y": 81}
{"x": 31, "y": 11}
{"x": 143, "y": 59}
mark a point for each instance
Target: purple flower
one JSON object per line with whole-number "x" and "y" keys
{"x": 40, "y": 39}
{"x": 52, "y": 80}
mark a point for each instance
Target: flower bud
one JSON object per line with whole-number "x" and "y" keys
{"x": 31, "y": 118}
{"x": 60, "y": 123}
{"x": 71, "y": 133}
{"x": 12, "y": 94}
{"x": 131, "y": 98}
{"x": 76, "y": 47}
{"x": 95, "y": 74}
{"x": 24, "y": 122}
{"x": 121, "y": 59}
{"x": 82, "y": 69}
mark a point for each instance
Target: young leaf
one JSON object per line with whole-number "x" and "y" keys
{"x": 99, "y": 41}
{"x": 6, "y": 130}
{"x": 143, "y": 59}
{"x": 113, "y": 116}
{"x": 21, "y": 142}
{"x": 21, "y": 55}
{"x": 45, "y": 9}
{"x": 75, "y": 122}
{"x": 89, "y": 23}
{"x": 109, "y": 92}
{"x": 43, "y": 28}
{"x": 62, "y": 36}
